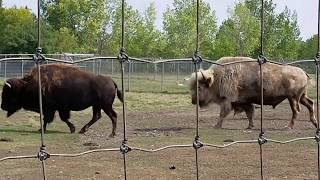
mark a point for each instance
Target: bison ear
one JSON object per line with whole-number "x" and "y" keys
{"x": 209, "y": 81}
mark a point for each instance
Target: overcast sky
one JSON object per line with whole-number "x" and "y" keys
{"x": 306, "y": 9}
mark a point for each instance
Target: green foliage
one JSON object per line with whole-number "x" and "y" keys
{"x": 141, "y": 38}
{"x": 180, "y": 29}
{"x": 308, "y": 48}
{"x": 58, "y": 41}
{"x": 281, "y": 31}
{"x": 17, "y": 32}
{"x": 94, "y": 26}
{"x": 83, "y": 18}
{"x": 239, "y": 35}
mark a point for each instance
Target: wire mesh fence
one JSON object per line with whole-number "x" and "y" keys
{"x": 164, "y": 73}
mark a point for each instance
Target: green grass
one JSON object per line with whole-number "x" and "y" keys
{"x": 169, "y": 86}
{"x": 155, "y": 101}
{"x": 26, "y": 136}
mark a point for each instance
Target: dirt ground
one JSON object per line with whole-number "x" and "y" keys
{"x": 158, "y": 128}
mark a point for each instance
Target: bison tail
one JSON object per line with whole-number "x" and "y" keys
{"x": 119, "y": 93}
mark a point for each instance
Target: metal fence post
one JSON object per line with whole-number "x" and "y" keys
{"x": 5, "y": 69}
{"x": 111, "y": 66}
{"x": 22, "y": 66}
{"x": 178, "y": 64}
{"x": 93, "y": 66}
{"x": 155, "y": 71}
{"x": 129, "y": 75}
{"x": 162, "y": 76}
{"x": 99, "y": 68}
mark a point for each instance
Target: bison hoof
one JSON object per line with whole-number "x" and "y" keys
{"x": 112, "y": 135}
{"x": 315, "y": 124}
{"x": 82, "y": 131}
{"x": 288, "y": 128}
{"x": 72, "y": 130}
{"x": 250, "y": 127}
{"x": 40, "y": 131}
{"x": 218, "y": 126}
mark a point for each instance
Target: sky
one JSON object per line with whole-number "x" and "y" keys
{"x": 306, "y": 10}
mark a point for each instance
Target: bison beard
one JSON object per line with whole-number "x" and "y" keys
{"x": 237, "y": 87}
{"x": 64, "y": 89}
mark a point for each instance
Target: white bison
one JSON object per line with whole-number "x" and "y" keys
{"x": 237, "y": 87}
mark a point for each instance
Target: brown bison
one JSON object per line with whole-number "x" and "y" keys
{"x": 237, "y": 87}
{"x": 64, "y": 89}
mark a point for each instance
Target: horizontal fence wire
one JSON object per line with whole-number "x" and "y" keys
{"x": 156, "y": 61}
{"x": 174, "y": 146}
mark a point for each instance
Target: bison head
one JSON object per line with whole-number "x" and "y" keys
{"x": 205, "y": 79}
{"x": 11, "y": 93}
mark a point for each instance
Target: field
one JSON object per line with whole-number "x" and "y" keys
{"x": 155, "y": 120}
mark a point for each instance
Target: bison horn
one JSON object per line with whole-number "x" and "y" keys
{"x": 208, "y": 76}
{"x": 202, "y": 74}
{"x": 6, "y": 83}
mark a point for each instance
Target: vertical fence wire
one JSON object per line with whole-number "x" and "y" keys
{"x": 197, "y": 60}
{"x": 261, "y": 60}
{"x": 317, "y": 74}
{"x": 122, "y": 58}
{"x": 38, "y": 51}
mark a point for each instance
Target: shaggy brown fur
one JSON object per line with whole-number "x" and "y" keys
{"x": 64, "y": 89}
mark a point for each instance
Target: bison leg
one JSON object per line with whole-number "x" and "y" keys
{"x": 113, "y": 116}
{"x": 48, "y": 117}
{"x": 225, "y": 109}
{"x": 65, "y": 116}
{"x": 295, "y": 111}
{"x": 96, "y": 115}
{"x": 249, "y": 109}
{"x": 306, "y": 101}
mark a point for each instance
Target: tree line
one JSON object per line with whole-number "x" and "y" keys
{"x": 82, "y": 26}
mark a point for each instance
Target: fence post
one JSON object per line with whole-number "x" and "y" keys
{"x": 162, "y": 76}
{"x": 147, "y": 72}
{"x": 129, "y": 75}
{"x": 155, "y": 71}
{"x": 99, "y": 68}
{"x": 93, "y": 66}
{"x": 5, "y": 69}
{"x": 178, "y": 63}
{"x": 111, "y": 66}
{"x": 22, "y": 66}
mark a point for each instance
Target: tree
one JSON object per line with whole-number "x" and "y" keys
{"x": 148, "y": 39}
{"x": 308, "y": 48}
{"x": 141, "y": 38}
{"x": 281, "y": 31}
{"x": 17, "y": 33}
{"x": 180, "y": 29}
{"x": 239, "y": 35}
{"x": 58, "y": 41}
{"x": 82, "y": 18}
{"x": 113, "y": 28}
{"x": 286, "y": 39}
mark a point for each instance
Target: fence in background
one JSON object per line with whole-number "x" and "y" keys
{"x": 161, "y": 75}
